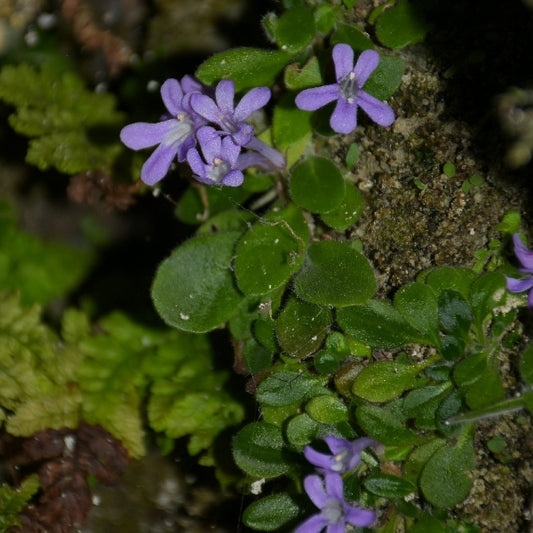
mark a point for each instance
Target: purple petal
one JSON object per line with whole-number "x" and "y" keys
{"x": 270, "y": 154}
{"x": 378, "y": 111}
{"x": 205, "y": 106}
{"x": 334, "y": 486}
{"x": 189, "y": 84}
{"x": 172, "y": 95}
{"x": 233, "y": 178}
{"x": 156, "y": 166}
{"x": 210, "y": 143}
{"x": 250, "y": 102}
{"x": 144, "y": 134}
{"x": 243, "y": 135}
{"x": 519, "y": 285}
{"x": 344, "y": 117}
{"x": 315, "y": 524}
{"x": 315, "y": 490}
{"x": 343, "y": 59}
{"x": 336, "y": 445}
{"x": 359, "y": 517}
{"x": 524, "y": 255}
{"x": 366, "y": 64}
{"x": 530, "y": 300}
{"x": 196, "y": 162}
{"x": 312, "y": 99}
{"x": 339, "y": 527}
{"x": 185, "y": 146}
{"x": 230, "y": 151}
{"x": 224, "y": 95}
{"x": 318, "y": 459}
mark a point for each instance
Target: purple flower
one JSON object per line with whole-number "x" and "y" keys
{"x": 525, "y": 257}
{"x": 345, "y": 454}
{"x": 348, "y": 91}
{"x": 228, "y": 118}
{"x": 174, "y": 134}
{"x": 219, "y": 164}
{"x": 335, "y": 513}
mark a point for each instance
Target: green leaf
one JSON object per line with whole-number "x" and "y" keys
{"x": 487, "y": 292}
{"x": 377, "y": 324}
{"x": 66, "y": 121}
{"x": 510, "y": 222}
{"x": 327, "y": 409}
{"x": 301, "y": 429}
{"x": 296, "y": 78}
{"x": 193, "y": 289}
{"x": 284, "y": 388}
{"x": 247, "y": 67}
{"x": 452, "y": 278}
{"x": 271, "y": 251}
{"x": 384, "y": 380}
{"x": 421, "y": 404}
{"x": 13, "y": 502}
{"x": 295, "y": 29}
{"x": 443, "y": 480}
{"x": 333, "y": 273}
{"x": 455, "y": 315}
{"x": 349, "y": 210}
{"x": 388, "y": 486}
{"x": 526, "y": 364}
{"x": 258, "y": 449}
{"x": 384, "y": 426}
{"x": 325, "y": 17}
{"x": 417, "y": 303}
{"x": 387, "y": 77}
{"x": 301, "y": 327}
{"x": 316, "y": 185}
{"x": 401, "y": 25}
{"x": 352, "y": 35}
{"x": 271, "y": 513}
{"x": 352, "y": 155}
{"x": 419, "y": 457}
{"x": 289, "y": 123}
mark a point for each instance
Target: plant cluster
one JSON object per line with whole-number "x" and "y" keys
{"x": 393, "y": 387}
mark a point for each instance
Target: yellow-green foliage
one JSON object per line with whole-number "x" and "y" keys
{"x": 68, "y": 124}
{"x": 13, "y": 501}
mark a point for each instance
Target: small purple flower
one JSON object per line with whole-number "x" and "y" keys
{"x": 345, "y": 454}
{"x": 525, "y": 257}
{"x": 348, "y": 91}
{"x": 220, "y": 162}
{"x": 335, "y": 513}
{"x": 174, "y": 134}
{"x": 228, "y": 118}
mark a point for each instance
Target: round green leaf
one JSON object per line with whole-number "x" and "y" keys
{"x": 258, "y": 450}
{"x": 352, "y": 35}
{"x": 350, "y": 209}
{"x": 333, "y": 273}
{"x": 301, "y": 327}
{"x": 297, "y": 78}
{"x": 417, "y": 303}
{"x": 301, "y": 429}
{"x": 295, "y": 29}
{"x": 193, "y": 289}
{"x": 289, "y": 123}
{"x": 387, "y": 77}
{"x": 443, "y": 480}
{"x": 317, "y": 185}
{"x": 271, "y": 513}
{"x": 487, "y": 292}
{"x": 401, "y": 25}
{"x": 376, "y": 324}
{"x": 327, "y": 409}
{"x": 384, "y": 380}
{"x": 284, "y": 388}
{"x": 269, "y": 253}
{"x": 247, "y": 67}
{"x": 389, "y": 486}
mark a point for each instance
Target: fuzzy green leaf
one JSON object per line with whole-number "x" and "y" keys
{"x": 271, "y": 513}
{"x": 13, "y": 501}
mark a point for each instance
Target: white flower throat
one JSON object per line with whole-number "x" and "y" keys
{"x": 348, "y": 87}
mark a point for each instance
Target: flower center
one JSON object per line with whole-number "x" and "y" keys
{"x": 348, "y": 87}
{"x": 341, "y": 461}
{"x": 333, "y": 511}
{"x": 182, "y": 129}
{"x": 218, "y": 169}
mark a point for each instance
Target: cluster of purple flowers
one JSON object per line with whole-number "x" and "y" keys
{"x": 335, "y": 513}
{"x": 209, "y": 133}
